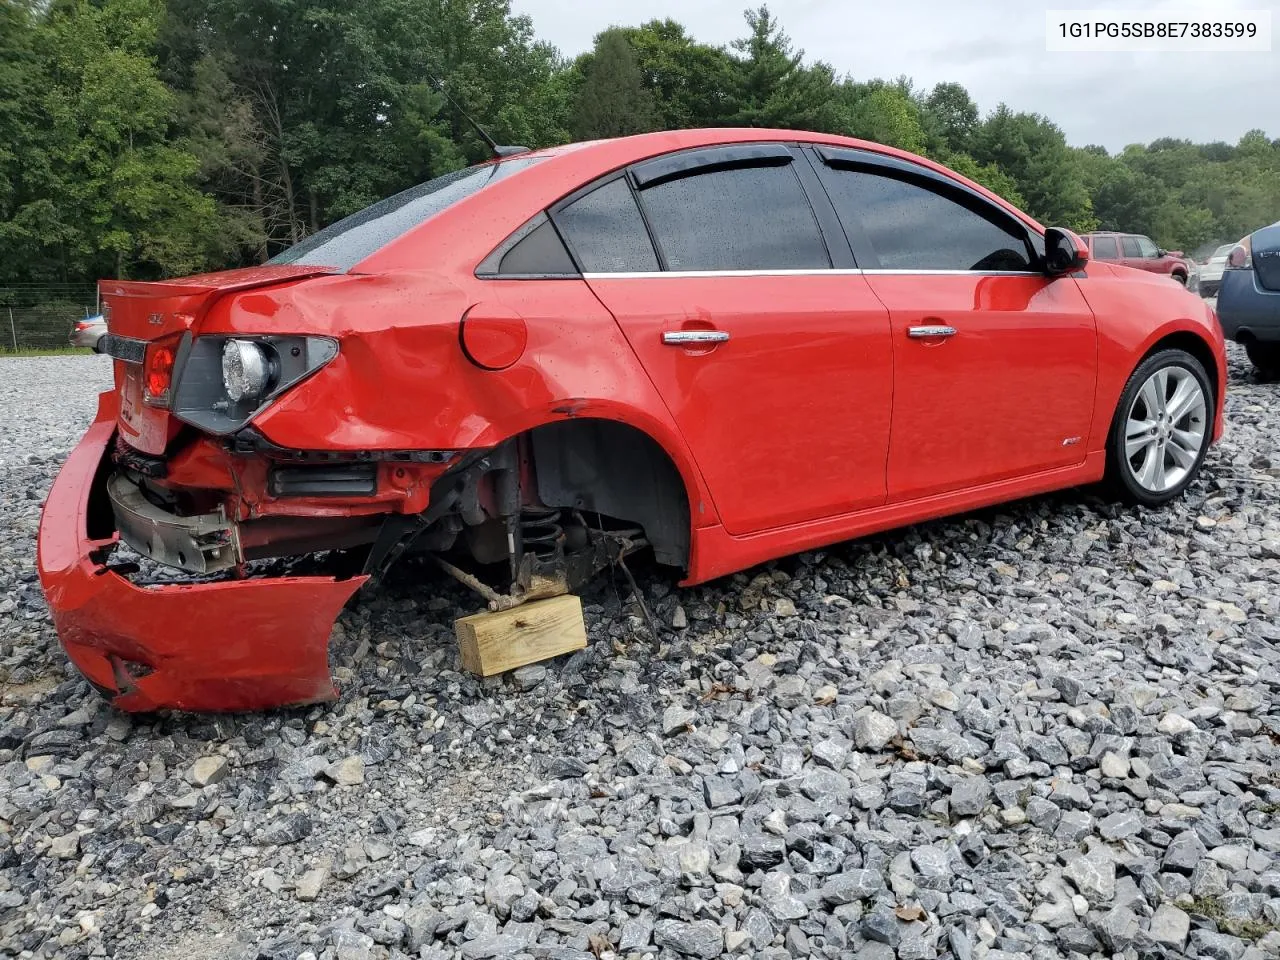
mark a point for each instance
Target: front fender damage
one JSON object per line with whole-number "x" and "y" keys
{"x": 215, "y": 646}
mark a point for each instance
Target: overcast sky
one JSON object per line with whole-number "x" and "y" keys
{"x": 996, "y": 49}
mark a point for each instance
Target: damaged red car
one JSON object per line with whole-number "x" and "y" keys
{"x": 722, "y": 346}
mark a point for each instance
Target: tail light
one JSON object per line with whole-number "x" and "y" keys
{"x": 1241, "y": 256}
{"x": 157, "y": 371}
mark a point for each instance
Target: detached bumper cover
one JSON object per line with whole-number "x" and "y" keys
{"x": 233, "y": 645}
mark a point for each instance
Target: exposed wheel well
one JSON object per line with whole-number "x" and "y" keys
{"x": 610, "y": 468}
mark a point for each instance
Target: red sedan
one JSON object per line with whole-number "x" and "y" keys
{"x": 721, "y": 345}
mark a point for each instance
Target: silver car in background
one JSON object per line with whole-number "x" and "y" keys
{"x": 87, "y": 332}
{"x": 1211, "y": 270}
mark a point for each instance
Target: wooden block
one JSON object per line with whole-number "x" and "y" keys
{"x": 502, "y": 640}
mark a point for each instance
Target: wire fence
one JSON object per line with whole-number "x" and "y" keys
{"x": 39, "y": 317}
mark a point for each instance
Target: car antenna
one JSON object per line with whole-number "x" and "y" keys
{"x": 499, "y": 150}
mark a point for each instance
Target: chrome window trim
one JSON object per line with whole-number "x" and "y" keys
{"x": 815, "y": 272}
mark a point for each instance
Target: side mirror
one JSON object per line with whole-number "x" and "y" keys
{"x": 1064, "y": 252}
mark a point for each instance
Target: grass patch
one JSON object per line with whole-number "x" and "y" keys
{"x": 46, "y": 352}
{"x": 1210, "y": 908}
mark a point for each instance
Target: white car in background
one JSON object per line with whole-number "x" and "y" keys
{"x": 1211, "y": 270}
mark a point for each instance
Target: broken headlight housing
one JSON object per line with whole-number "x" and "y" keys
{"x": 222, "y": 383}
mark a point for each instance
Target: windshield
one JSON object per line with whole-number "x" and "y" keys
{"x": 352, "y": 239}
{"x": 1223, "y": 250}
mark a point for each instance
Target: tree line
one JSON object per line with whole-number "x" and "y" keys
{"x": 145, "y": 138}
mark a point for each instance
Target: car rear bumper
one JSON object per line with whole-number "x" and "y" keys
{"x": 229, "y": 645}
{"x": 1245, "y": 309}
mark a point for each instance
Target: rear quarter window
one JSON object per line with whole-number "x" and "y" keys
{"x": 354, "y": 238}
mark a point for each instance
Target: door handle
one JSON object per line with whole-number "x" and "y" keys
{"x": 680, "y": 337}
{"x": 925, "y": 333}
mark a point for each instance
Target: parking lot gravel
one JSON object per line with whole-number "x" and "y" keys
{"x": 1043, "y": 730}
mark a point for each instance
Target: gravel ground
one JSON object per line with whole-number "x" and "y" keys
{"x": 1044, "y": 730}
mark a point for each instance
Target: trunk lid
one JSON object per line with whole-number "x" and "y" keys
{"x": 145, "y": 312}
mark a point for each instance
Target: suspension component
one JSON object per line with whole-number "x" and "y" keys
{"x": 541, "y": 533}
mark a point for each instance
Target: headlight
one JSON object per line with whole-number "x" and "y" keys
{"x": 245, "y": 370}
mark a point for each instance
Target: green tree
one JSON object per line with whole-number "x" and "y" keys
{"x": 105, "y": 188}
{"x": 987, "y": 174}
{"x": 881, "y": 112}
{"x": 328, "y": 106}
{"x": 613, "y": 99}
{"x": 772, "y": 87}
{"x": 950, "y": 117}
{"x": 1033, "y": 151}
{"x": 692, "y": 83}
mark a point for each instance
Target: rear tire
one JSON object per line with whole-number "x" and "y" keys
{"x": 1265, "y": 357}
{"x": 1161, "y": 429}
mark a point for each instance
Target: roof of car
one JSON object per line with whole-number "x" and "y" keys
{"x": 567, "y": 168}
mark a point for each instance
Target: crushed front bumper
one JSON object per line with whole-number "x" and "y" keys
{"x": 230, "y": 645}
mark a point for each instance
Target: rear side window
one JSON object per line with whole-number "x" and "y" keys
{"x": 1130, "y": 247}
{"x": 538, "y": 254}
{"x": 740, "y": 218}
{"x": 1104, "y": 248}
{"x": 912, "y": 227}
{"x": 605, "y": 231}
{"x": 352, "y": 239}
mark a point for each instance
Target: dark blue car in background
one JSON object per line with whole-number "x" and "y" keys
{"x": 1249, "y": 298}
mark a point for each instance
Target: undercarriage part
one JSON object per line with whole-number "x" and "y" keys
{"x": 204, "y": 543}
{"x": 250, "y": 441}
{"x": 335, "y": 480}
{"x": 400, "y": 531}
{"x": 611, "y": 469}
{"x": 293, "y": 536}
{"x": 145, "y": 464}
{"x": 525, "y": 502}
{"x": 538, "y": 580}
{"x": 541, "y": 533}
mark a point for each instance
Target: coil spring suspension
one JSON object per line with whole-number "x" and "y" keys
{"x": 541, "y": 532}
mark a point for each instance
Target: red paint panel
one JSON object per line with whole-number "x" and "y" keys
{"x": 789, "y": 418}
{"x": 1010, "y": 394}
{"x": 1134, "y": 314}
{"x": 259, "y": 643}
{"x": 719, "y": 553}
{"x": 493, "y": 336}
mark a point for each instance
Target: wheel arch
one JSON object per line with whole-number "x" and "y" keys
{"x": 606, "y": 466}
{"x": 1197, "y": 347}
{"x": 1193, "y": 344}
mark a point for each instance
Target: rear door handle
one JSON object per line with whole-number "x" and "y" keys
{"x": 925, "y": 333}
{"x": 680, "y": 337}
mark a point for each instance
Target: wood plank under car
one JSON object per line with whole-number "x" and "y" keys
{"x": 497, "y": 641}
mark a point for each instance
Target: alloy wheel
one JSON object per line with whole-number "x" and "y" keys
{"x": 1165, "y": 429}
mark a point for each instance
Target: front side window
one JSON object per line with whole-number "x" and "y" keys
{"x": 735, "y": 218}
{"x": 1104, "y": 248}
{"x": 910, "y": 226}
{"x": 1149, "y": 249}
{"x": 605, "y": 231}
{"x": 1130, "y": 247}
{"x": 354, "y": 238}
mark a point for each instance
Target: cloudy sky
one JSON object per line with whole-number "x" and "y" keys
{"x": 997, "y": 50}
